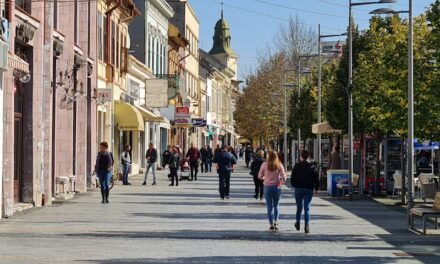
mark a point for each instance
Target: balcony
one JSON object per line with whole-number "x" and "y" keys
{"x": 173, "y": 84}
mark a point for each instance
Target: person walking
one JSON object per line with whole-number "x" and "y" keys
{"x": 225, "y": 162}
{"x": 165, "y": 158}
{"x": 248, "y": 155}
{"x": 151, "y": 157}
{"x": 103, "y": 168}
{"x": 304, "y": 180}
{"x": 204, "y": 156}
{"x": 126, "y": 164}
{"x": 273, "y": 174}
{"x": 232, "y": 151}
{"x": 255, "y": 169}
{"x": 217, "y": 150}
{"x": 173, "y": 163}
{"x": 194, "y": 156}
{"x": 334, "y": 162}
{"x": 210, "y": 157}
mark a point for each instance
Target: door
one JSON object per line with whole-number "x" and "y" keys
{"x": 18, "y": 144}
{"x": 18, "y": 164}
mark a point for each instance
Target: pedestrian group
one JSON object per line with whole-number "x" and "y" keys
{"x": 266, "y": 168}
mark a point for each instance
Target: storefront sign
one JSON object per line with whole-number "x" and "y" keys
{"x": 156, "y": 93}
{"x": 104, "y": 95}
{"x": 199, "y": 122}
{"x": 182, "y": 117}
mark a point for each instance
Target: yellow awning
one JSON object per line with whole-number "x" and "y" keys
{"x": 17, "y": 63}
{"x": 147, "y": 115}
{"x": 128, "y": 117}
{"x": 324, "y": 128}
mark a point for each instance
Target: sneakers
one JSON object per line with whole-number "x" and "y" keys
{"x": 276, "y": 226}
{"x": 256, "y": 197}
{"x": 145, "y": 183}
{"x": 297, "y": 226}
{"x": 272, "y": 228}
{"x": 154, "y": 183}
{"x": 227, "y": 197}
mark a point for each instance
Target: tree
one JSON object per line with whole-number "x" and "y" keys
{"x": 303, "y": 113}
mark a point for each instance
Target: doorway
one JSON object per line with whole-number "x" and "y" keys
{"x": 18, "y": 142}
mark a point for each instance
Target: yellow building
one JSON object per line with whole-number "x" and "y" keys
{"x": 115, "y": 116}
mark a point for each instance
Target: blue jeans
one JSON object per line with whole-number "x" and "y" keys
{"x": 303, "y": 199}
{"x": 104, "y": 179}
{"x": 151, "y": 166}
{"x": 125, "y": 170}
{"x": 224, "y": 178}
{"x": 272, "y": 194}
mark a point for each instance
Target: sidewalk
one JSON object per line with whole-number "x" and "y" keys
{"x": 190, "y": 224}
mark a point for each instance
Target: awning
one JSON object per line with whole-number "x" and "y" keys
{"x": 324, "y": 128}
{"x": 17, "y": 63}
{"x": 149, "y": 116}
{"x": 128, "y": 117}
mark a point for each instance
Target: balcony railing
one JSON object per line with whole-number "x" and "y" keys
{"x": 173, "y": 84}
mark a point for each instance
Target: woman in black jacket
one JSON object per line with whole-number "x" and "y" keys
{"x": 255, "y": 169}
{"x": 304, "y": 180}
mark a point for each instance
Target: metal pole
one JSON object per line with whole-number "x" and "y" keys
{"x": 299, "y": 94}
{"x": 285, "y": 122}
{"x": 410, "y": 156}
{"x": 319, "y": 93}
{"x": 350, "y": 98}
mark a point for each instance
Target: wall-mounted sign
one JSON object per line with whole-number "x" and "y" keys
{"x": 199, "y": 122}
{"x": 182, "y": 117}
{"x": 156, "y": 93}
{"x": 104, "y": 95}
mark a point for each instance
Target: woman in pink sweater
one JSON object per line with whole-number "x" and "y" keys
{"x": 273, "y": 174}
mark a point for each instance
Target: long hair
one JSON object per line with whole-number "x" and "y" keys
{"x": 273, "y": 163}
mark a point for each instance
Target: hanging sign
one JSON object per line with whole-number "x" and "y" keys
{"x": 182, "y": 117}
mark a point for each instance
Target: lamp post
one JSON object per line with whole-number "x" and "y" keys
{"x": 410, "y": 150}
{"x": 350, "y": 83}
{"x": 320, "y": 84}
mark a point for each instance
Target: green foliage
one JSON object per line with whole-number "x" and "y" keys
{"x": 303, "y": 113}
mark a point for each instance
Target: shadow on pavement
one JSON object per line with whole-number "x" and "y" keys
{"x": 394, "y": 223}
{"x": 229, "y": 235}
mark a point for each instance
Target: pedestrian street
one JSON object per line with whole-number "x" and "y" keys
{"x": 191, "y": 224}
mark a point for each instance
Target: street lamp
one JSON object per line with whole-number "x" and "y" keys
{"x": 410, "y": 151}
{"x": 350, "y": 83}
{"x": 302, "y": 71}
{"x": 320, "y": 84}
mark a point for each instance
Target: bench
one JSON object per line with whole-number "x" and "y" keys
{"x": 426, "y": 213}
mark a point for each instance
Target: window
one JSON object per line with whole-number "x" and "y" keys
{"x": 118, "y": 48}
{"x": 156, "y": 70}
{"x": 55, "y": 14}
{"x": 100, "y": 32}
{"x": 105, "y": 34}
{"x": 24, "y": 5}
{"x": 75, "y": 21}
{"x": 113, "y": 44}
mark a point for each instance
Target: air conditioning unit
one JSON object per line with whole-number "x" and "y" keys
{"x": 3, "y": 56}
{"x": 25, "y": 32}
{"x": 58, "y": 47}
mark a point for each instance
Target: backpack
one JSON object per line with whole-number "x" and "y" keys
{"x": 173, "y": 161}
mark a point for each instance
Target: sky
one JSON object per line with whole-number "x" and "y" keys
{"x": 254, "y": 23}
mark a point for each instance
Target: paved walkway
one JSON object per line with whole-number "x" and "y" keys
{"x": 190, "y": 224}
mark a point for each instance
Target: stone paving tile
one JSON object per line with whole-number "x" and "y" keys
{"x": 190, "y": 224}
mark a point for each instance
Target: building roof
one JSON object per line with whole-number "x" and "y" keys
{"x": 222, "y": 38}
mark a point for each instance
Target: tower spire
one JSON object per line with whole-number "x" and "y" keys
{"x": 222, "y": 8}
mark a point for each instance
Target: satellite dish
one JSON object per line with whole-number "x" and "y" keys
{"x": 25, "y": 77}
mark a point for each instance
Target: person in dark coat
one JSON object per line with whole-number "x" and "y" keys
{"x": 103, "y": 168}
{"x": 173, "y": 164}
{"x": 151, "y": 157}
{"x": 204, "y": 155}
{"x": 210, "y": 157}
{"x": 304, "y": 179}
{"x": 248, "y": 155}
{"x": 255, "y": 169}
{"x": 334, "y": 162}
{"x": 194, "y": 158}
{"x": 225, "y": 165}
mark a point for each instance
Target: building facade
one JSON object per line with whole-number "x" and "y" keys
{"x": 186, "y": 21}
{"x": 48, "y": 101}
{"x": 218, "y": 69}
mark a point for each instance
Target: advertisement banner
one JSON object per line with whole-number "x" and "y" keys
{"x": 156, "y": 93}
{"x": 182, "y": 117}
{"x": 104, "y": 95}
{"x": 199, "y": 122}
